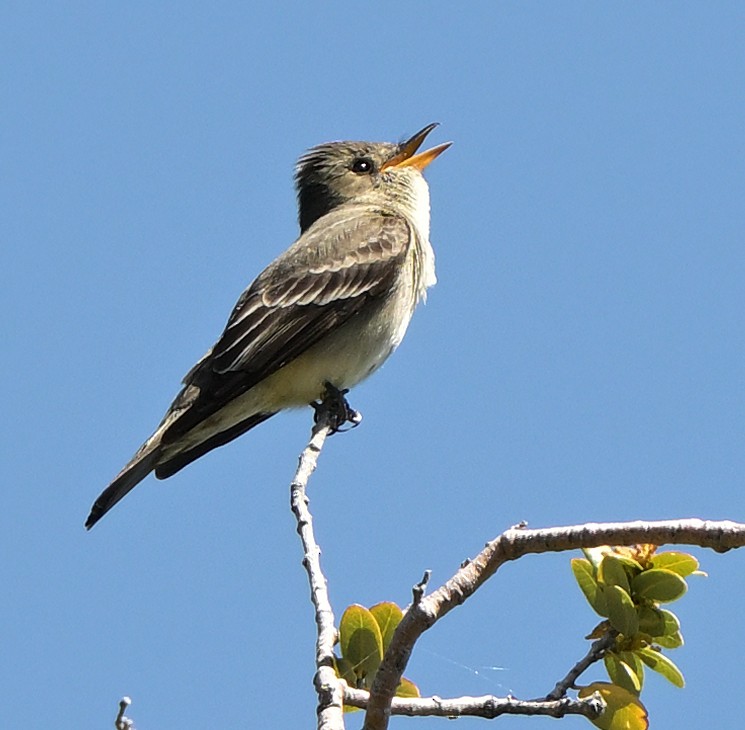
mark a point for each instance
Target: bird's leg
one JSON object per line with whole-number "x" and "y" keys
{"x": 339, "y": 411}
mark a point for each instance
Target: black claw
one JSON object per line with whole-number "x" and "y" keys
{"x": 337, "y": 407}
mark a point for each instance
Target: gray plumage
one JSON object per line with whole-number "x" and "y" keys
{"x": 329, "y": 309}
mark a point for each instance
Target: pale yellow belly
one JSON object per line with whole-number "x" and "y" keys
{"x": 343, "y": 358}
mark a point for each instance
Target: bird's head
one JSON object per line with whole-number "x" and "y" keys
{"x": 335, "y": 173}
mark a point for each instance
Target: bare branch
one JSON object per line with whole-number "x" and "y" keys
{"x": 594, "y": 654}
{"x": 487, "y": 706}
{"x": 122, "y": 722}
{"x": 418, "y": 590}
{"x": 511, "y": 545}
{"x": 327, "y": 684}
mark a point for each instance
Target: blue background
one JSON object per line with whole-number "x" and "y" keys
{"x": 580, "y": 359}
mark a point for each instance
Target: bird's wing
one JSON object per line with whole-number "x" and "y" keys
{"x": 323, "y": 279}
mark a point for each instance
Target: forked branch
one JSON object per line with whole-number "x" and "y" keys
{"x": 426, "y": 610}
{"x": 511, "y": 545}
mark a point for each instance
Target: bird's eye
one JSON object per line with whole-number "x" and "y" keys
{"x": 362, "y": 165}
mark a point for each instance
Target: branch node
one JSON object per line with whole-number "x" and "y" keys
{"x": 122, "y": 722}
{"x": 595, "y": 653}
{"x": 419, "y": 588}
{"x": 512, "y": 545}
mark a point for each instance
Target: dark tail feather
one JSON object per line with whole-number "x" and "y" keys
{"x": 127, "y": 479}
{"x": 179, "y": 461}
{"x": 148, "y": 459}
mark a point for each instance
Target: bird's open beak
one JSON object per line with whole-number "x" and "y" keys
{"x": 406, "y": 156}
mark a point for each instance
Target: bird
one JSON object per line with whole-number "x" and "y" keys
{"x": 322, "y": 317}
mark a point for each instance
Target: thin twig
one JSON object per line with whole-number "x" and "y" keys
{"x": 418, "y": 590}
{"x": 487, "y": 706}
{"x": 594, "y": 654}
{"x": 122, "y": 722}
{"x": 327, "y": 684}
{"x": 511, "y": 545}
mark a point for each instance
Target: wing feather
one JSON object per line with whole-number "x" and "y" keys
{"x": 338, "y": 265}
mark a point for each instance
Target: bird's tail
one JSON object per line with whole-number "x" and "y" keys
{"x": 142, "y": 463}
{"x": 165, "y": 455}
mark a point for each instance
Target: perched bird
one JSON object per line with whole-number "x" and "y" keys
{"x": 326, "y": 313}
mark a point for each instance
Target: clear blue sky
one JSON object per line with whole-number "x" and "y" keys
{"x": 580, "y": 359}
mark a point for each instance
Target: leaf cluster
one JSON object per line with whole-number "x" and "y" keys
{"x": 364, "y": 637}
{"x": 626, "y": 586}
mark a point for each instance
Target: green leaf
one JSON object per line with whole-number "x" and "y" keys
{"x": 680, "y": 563}
{"x": 672, "y": 625}
{"x": 658, "y": 584}
{"x": 621, "y": 673}
{"x": 361, "y": 642}
{"x": 621, "y": 611}
{"x": 661, "y": 626}
{"x": 623, "y": 709}
{"x": 407, "y": 688}
{"x": 671, "y": 638}
{"x": 345, "y": 671}
{"x": 632, "y": 566}
{"x": 388, "y": 616}
{"x": 651, "y": 620}
{"x": 584, "y": 574}
{"x": 636, "y": 665}
{"x": 658, "y": 662}
{"x": 595, "y": 555}
{"x": 612, "y": 572}
{"x": 671, "y": 641}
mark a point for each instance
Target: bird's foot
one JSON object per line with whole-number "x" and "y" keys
{"x": 335, "y": 405}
